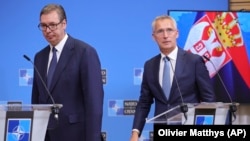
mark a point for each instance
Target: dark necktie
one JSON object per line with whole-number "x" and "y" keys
{"x": 52, "y": 67}
{"x": 166, "y": 85}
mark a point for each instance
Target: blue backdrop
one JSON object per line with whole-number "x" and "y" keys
{"x": 119, "y": 30}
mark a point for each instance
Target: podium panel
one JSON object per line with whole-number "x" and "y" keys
{"x": 243, "y": 114}
{"x": 217, "y": 113}
{"x": 24, "y": 122}
{"x": 208, "y": 114}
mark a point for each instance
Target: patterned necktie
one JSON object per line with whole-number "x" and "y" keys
{"x": 52, "y": 67}
{"x": 166, "y": 85}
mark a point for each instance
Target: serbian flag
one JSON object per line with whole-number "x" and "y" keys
{"x": 218, "y": 36}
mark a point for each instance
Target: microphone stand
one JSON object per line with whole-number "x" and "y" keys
{"x": 183, "y": 106}
{"x": 232, "y": 110}
{"x": 55, "y": 109}
{"x": 232, "y": 106}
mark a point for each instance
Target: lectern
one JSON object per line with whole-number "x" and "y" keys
{"x": 198, "y": 114}
{"x": 24, "y": 122}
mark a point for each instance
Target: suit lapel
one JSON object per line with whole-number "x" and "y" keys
{"x": 180, "y": 63}
{"x": 156, "y": 67}
{"x": 179, "y": 68}
{"x": 43, "y": 61}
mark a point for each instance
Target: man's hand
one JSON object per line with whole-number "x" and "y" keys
{"x": 134, "y": 136}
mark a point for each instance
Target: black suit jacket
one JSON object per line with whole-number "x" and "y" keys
{"x": 193, "y": 79}
{"x": 77, "y": 84}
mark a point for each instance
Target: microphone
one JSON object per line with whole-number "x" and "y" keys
{"x": 233, "y": 106}
{"x": 55, "y": 108}
{"x": 183, "y": 106}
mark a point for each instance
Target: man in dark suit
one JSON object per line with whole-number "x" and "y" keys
{"x": 189, "y": 69}
{"x": 76, "y": 82}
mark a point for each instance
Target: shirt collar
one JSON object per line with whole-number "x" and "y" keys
{"x": 172, "y": 55}
{"x": 61, "y": 44}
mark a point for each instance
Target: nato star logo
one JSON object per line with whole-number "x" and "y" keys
{"x": 25, "y": 77}
{"x": 18, "y": 130}
{"x": 138, "y": 72}
{"x": 204, "y": 120}
{"x": 115, "y": 107}
{"x": 18, "y": 133}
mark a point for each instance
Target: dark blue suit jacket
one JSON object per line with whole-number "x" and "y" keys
{"x": 77, "y": 84}
{"x": 193, "y": 79}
